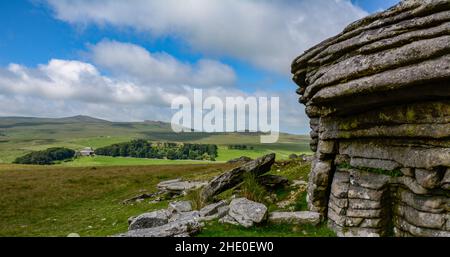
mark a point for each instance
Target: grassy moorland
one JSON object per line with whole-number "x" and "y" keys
{"x": 56, "y": 200}
{"x": 85, "y": 195}
{"x": 19, "y": 136}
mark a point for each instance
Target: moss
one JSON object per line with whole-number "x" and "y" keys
{"x": 391, "y": 173}
{"x": 384, "y": 117}
{"x": 410, "y": 115}
{"x": 348, "y": 125}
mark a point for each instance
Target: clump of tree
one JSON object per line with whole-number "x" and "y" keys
{"x": 140, "y": 148}
{"x": 46, "y": 157}
{"x": 240, "y": 147}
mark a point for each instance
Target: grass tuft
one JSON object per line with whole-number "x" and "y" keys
{"x": 252, "y": 190}
{"x": 195, "y": 196}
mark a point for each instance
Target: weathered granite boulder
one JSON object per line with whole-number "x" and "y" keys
{"x": 377, "y": 95}
{"x": 247, "y": 212}
{"x": 235, "y": 176}
{"x": 183, "y": 227}
{"x": 179, "y": 187}
{"x": 212, "y": 209}
{"x": 150, "y": 220}
{"x": 300, "y": 217}
{"x": 180, "y": 206}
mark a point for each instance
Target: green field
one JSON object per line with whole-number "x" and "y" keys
{"x": 125, "y": 161}
{"x": 19, "y": 136}
{"x": 56, "y": 200}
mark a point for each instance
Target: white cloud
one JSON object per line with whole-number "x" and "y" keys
{"x": 136, "y": 63}
{"x": 64, "y": 87}
{"x": 267, "y": 34}
{"x": 69, "y": 80}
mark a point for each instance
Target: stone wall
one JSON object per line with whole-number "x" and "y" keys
{"x": 378, "y": 97}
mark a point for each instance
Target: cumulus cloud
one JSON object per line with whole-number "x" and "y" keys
{"x": 69, "y": 80}
{"x": 267, "y": 34}
{"x": 136, "y": 63}
{"x": 66, "y": 87}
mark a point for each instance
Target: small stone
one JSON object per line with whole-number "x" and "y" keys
{"x": 73, "y": 235}
{"x": 247, "y": 212}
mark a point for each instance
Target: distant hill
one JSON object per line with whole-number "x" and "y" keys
{"x": 20, "y": 135}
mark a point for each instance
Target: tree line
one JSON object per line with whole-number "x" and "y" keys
{"x": 140, "y": 148}
{"x": 240, "y": 147}
{"x": 46, "y": 157}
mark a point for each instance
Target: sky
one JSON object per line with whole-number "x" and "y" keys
{"x": 127, "y": 60}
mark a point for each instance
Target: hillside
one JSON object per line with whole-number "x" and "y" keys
{"x": 21, "y": 135}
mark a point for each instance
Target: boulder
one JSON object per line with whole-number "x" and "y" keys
{"x": 191, "y": 215}
{"x": 179, "y": 187}
{"x": 149, "y": 220}
{"x": 173, "y": 229}
{"x": 222, "y": 211}
{"x": 247, "y": 212}
{"x": 212, "y": 209}
{"x": 235, "y": 176}
{"x": 229, "y": 220}
{"x": 299, "y": 217}
{"x": 180, "y": 206}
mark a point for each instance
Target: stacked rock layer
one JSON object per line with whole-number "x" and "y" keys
{"x": 378, "y": 96}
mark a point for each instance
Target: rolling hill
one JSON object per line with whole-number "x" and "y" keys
{"x": 21, "y": 135}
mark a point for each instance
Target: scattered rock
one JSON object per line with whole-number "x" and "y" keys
{"x": 212, "y": 209}
{"x": 180, "y": 206}
{"x": 149, "y": 220}
{"x": 228, "y": 219}
{"x": 222, "y": 211}
{"x": 247, "y": 212}
{"x": 191, "y": 215}
{"x": 299, "y": 217}
{"x": 178, "y": 187}
{"x": 172, "y": 229}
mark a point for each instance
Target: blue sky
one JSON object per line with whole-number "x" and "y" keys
{"x": 233, "y": 51}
